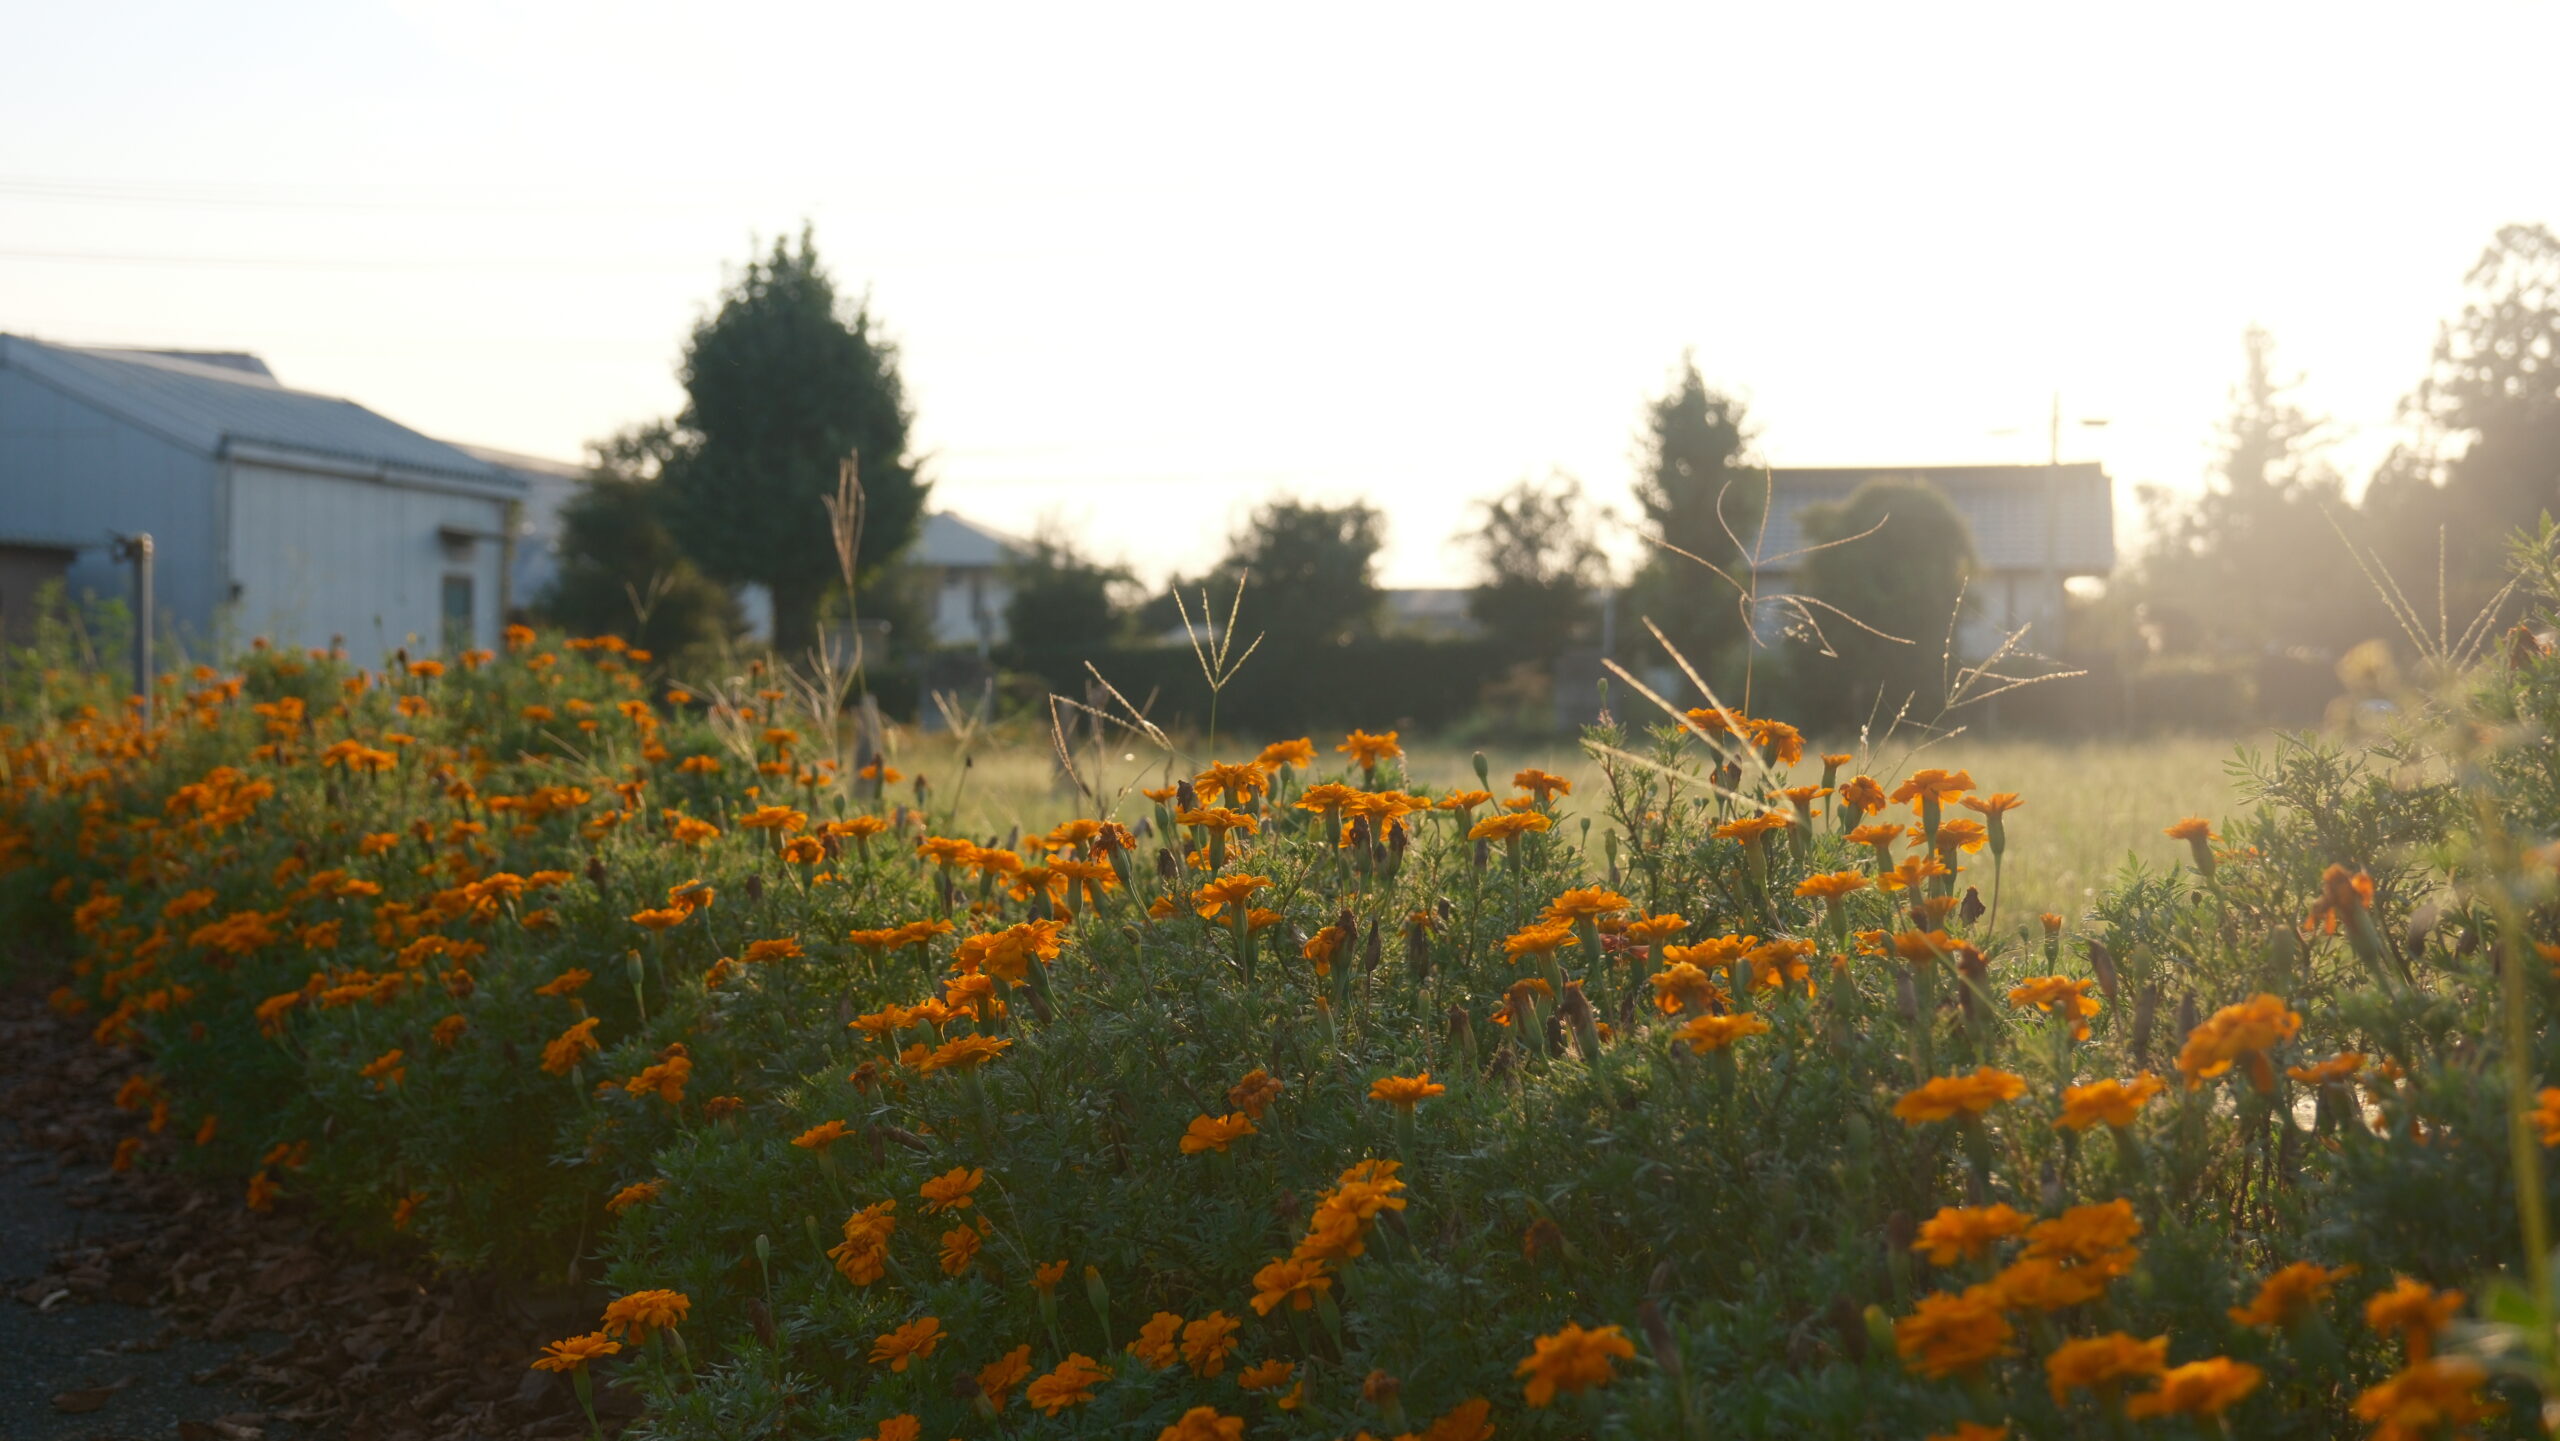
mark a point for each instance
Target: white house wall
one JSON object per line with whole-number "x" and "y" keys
{"x": 321, "y": 556}
{"x": 70, "y": 473}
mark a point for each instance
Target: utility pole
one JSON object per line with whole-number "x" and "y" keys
{"x": 137, "y": 549}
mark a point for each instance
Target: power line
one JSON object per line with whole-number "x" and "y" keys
{"x": 118, "y": 257}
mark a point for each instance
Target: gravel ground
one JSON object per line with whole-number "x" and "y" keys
{"x": 104, "y": 1369}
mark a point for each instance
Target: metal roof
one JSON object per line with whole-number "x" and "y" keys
{"x": 946, "y": 540}
{"x": 2015, "y": 511}
{"x": 208, "y": 406}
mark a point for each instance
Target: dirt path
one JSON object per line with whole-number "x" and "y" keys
{"x": 148, "y": 1304}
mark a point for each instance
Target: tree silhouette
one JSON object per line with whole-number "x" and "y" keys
{"x": 1697, "y": 493}
{"x": 783, "y": 382}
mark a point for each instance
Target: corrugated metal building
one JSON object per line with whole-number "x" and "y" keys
{"x": 274, "y": 512}
{"x": 2034, "y": 527}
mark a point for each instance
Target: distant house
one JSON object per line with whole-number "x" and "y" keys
{"x": 1428, "y": 613}
{"x": 961, "y": 565}
{"x": 2034, "y": 527}
{"x": 274, "y": 512}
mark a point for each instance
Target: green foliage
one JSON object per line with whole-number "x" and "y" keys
{"x": 1697, "y": 491}
{"x": 1309, "y": 572}
{"x": 2345, "y": 993}
{"x": 621, "y": 571}
{"x": 781, "y": 385}
{"x": 1063, "y": 609}
{"x": 1538, "y": 562}
{"x": 1889, "y": 572}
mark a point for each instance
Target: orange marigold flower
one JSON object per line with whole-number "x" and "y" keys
{"x": 1932, "y": 784}
{"x": 952, "y": 1190}
{"x": 2102, "y": 1363}
{"x": 1832, "y": 886}
{"x": 1751, "y": 828}
{"x": 2096, "y": 1237}
{"x": 1965, "y": 1233}
{"x": 901, "y": 1427}
{"x": 959, "y": 1248}
{"x": 1367, "y": 751}
{"x": 2236, "y": 1035}
{"x": 2040, "y": 1283}
{"x": 775, "y": 818}
{"x": 1226, "y": 891}
{"x": 1572, "y": 1359}
{"x": 637, "y": 1193}
{"x": 1159, "y": 1342}
{"x": 1269, "y": 1375}
{"x": 1215, "y": 1133}
{"x": 1862, "y": 795}
{"x": 2432, "y": 1397}
{"x": 1948, "y": 1333}
{"x": 2290, "y": 1292}
{"x": 1289, "y": 1280}
{"x": 964, "y": 1053}
{"x": 1254, "y": 1093}
{"x": 1300, "y": 753}
{"x": 567, "y": 983}
{"x": 1207, "y": 1342}
{"x": 1545, "y": 785}
{"x": 1585, "y": 903}
{"x": 1653, "y": 929}
{"x": 912, "y": 1341}
{"x": 2059, "y": 995}
{"x": 1714, "y": 1033}
{"x": 2343, "y": 895}
{"x": 666, "y": 918}
{"x": 1998, "y": 803}
{"x": 574, "y": 1353}
{"x": 1405, "y": 1091}
{"x": 822, "y": 1135}
{"x": 2414, "y": 1311}
{"x": 2546, "y": 1115}
{"x": 642, "y": 1314}
{"x": 1224, "y": 778}
{"x": 560, "y": 1055}
{"x": 2113, "y": 1103}
{"x": 1956, "y": 834}
{"x": 2338, "y": 1068}
{"x": 997, "y": 1378}
{"x": 1203, "y": 1423}
{"x": 1509, "y": 826}
{"x": 1071, "y": 1384}
{"x": 2191, "y": 830}
{"x": 1945, "y": 1097}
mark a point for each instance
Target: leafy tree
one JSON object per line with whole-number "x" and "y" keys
{"x": 1697, "y": 492}
{"x": 1896, "y": 556}
{"x": 783, "y": 383}
{"x": 1539, "y": 560}
{"x": 1309, "y": 571}
{"x": 2253, "y": 563}
{"x": 1063, "y": 608}
{"x": 621, "y": 571}
{"x": 2488, "y": 461}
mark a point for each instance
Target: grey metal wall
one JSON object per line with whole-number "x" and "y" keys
{"x": 70, "y": 473}
{"x": 321, "y": 556}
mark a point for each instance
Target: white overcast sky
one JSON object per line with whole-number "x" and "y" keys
{"x": 1149, "y": 266}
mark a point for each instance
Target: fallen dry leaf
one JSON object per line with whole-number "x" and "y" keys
{"x": 75, "y": 1402}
